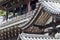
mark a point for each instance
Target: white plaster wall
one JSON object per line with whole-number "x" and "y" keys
{"x": 49, "y": 20}
{"x": 1, "y": 19}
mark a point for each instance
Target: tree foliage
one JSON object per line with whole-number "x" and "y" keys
{"x": 2, "y": 12}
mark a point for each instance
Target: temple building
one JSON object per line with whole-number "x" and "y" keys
{"x": 29, "y": 19}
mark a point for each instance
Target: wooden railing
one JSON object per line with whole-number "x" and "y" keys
{"x": 43, "y": 18}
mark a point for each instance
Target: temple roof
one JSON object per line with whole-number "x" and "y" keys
{"x": 51, "y": 6}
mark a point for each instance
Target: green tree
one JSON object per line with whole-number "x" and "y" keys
{"x": 2, "y": 12}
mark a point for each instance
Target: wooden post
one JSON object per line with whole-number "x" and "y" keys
{"x": 13, "y": 13}
{"x": 7, "y": 15}
{"x": 28, "y": 7}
